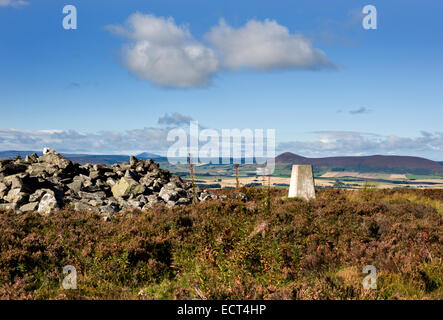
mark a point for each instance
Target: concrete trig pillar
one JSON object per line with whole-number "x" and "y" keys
{"x": 302, "y": 182}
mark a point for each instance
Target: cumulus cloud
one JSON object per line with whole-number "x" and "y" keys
{"x": 339, "y": 143}
{"x": 164, "y": 53}
{"x": 168, "y": 55}
{"x": 264, "y": 46}
{"x": 13, "y": 3}
{"x": 154, "y": 139}
{"x": 115, "y": 142}
{"x": 150, "y": 139}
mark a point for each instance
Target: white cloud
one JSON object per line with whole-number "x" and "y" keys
{"x": 167, "y": 54}
{"x": 13, "y": 3}
{"x": 154, "y": 139}
{"x": 175, "y": 119}
{"x": 114, "y": 142}
{"x": 341, "y": 143}
{"x": 164, "y": 53}
{"x": 264, "y": 46}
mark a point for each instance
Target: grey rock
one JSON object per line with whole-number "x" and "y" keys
{"x": 96, "y": 203}
{"x": 132, "y": 174}
{"x": 120, "y": 173}
{"x": 142, "y": 198}
{"x": 40, "y": 170}
{"x": 94, "y": 174}
{"x": 168, "y": 194}
{"x": 135, "y": 204}
{"x": 31, "y": 206}
{"x": 156, "y": 186}
{"x": 83, "y": 206}
{"x": 52, "y": 181}
{"x": 16, "y": 196}
{"x": 37, "y": 195}
{"x": 171, "y": 185}
{"x": 110, "y": 174}
{"x": 204, "y": 196}
{"x": 92, "y": 196}
{"x": 3, "y": 190}
{"x": 75, "y": 186}
{"x": 85, "y": 180}
{"x": 102, "y": 185}
{"x": 53, "y": 158}
{"x": 183, "y": 201}
{"x": 3, "y": 187}
{"x": 31, "y": 158}
{"x": 108, "y": 210}
{"x": 154, "y": 198}
{"x": 133, "y": 161}
{"x": 123, "y": 204}
{"x": 47, "y": 204}
{"x": 238, "y": 196}
{"x": 8, "y": 206}
{"x": 147, "y": 181}
{"x": 112, "y": 201}
{"x": 93, "y": 188}
{"x": 9, "y": 167}
{"x": 127, "y": 186}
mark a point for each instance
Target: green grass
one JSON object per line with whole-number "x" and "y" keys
{"x": 422, "y": 177}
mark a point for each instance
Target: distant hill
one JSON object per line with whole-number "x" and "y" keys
{"x": 84, "y": 158}
{"x": 147, "y": 155}
{"x": 376, "y": 163}
{"x": 9, "y": 154}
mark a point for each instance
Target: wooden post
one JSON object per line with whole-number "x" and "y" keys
{"x": 191, "y": 172}
{"x": 237, "y": 184}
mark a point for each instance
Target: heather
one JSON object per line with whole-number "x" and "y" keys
{"x": 267, "y": 247}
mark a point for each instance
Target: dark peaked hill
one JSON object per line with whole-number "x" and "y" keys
{"x": 376, "y": 163}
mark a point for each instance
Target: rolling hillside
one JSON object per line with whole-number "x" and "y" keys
{"x": 376, "y": 163}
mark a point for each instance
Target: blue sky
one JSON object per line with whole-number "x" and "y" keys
{"x": 373, "y": 92}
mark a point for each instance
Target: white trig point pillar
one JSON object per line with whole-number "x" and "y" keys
{"x": 302, "y": 182}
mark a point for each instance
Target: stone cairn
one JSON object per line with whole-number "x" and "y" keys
{"x": 51, "y": 182}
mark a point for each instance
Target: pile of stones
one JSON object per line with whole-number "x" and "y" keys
{"x": 51, "y": 182}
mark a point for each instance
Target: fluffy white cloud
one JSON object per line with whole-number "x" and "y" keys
{"x": 154, "y": 139}
{"x": 164, "y": 53}
{"x": 168, "y": 56}
{"x": 264, "y": 46}
{"x": 340, "y": 143}
{"x": 13, "y": 3}
{"x": 114, "y": 142}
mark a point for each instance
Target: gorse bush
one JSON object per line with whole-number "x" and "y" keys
{"x": 265, "y": 248}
